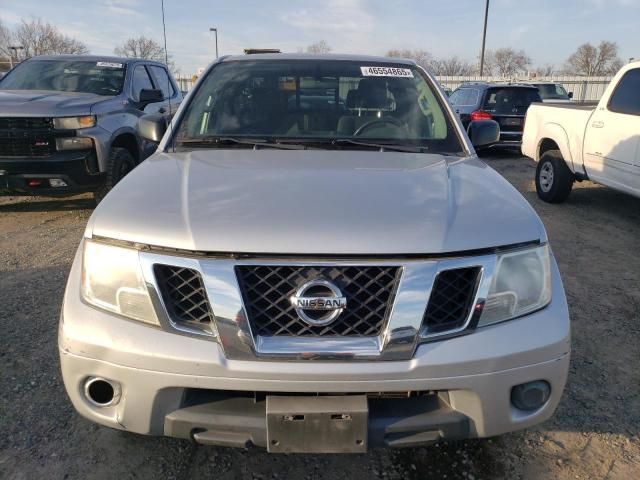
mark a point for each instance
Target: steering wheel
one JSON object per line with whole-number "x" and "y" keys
{"x": 378, "y": 121}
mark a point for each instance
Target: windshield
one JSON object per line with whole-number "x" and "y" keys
{"x": 510, "y": 101}
{"x": 102, "y": 78}
{"x": 552, "y": 91}
{"x": 318, "y": 102}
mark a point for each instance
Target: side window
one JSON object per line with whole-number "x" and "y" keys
{"x": 457, "y": 97}
{"x": 162, "y": 81}
{"x": 472, "y": 99}
{"x": 464, "y": 97}
{"x": 141, "y": 81}
{"x": 626, "y": 96}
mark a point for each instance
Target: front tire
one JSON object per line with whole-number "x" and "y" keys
{"x": 554, "y": 179}
{"x": 119, "y": 163}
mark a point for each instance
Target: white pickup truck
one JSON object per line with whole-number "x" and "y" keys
{"x": 576, "y": 142}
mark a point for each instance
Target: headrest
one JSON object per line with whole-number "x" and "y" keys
{"x": 352, "y": 99}
{"x": 372, "y": 93}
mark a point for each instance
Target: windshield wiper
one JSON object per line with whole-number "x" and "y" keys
{"x": 382, "y": 146}
{"x": 252, "y": 142}
{"x": 296, "y": 143}
{"x": 320, "y": 142}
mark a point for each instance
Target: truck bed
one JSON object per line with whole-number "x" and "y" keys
{"x": 570, "y": 105}
{"x": 564, "y": 123}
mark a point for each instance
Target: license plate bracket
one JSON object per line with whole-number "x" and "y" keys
{"x": 512, "y": 122}
{"x": 324, "y": 424}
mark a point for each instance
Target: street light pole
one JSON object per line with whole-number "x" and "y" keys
{"x": 15, "y": 52}
{"x": 215, "y": 31}
{"x": 484, "y": 38}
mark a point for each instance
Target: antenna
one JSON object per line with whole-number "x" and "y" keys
{"x": 166, "y": 62}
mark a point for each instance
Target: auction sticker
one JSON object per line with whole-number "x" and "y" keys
{"x": 386, "y": 72}
{"x": 109, "y": 64}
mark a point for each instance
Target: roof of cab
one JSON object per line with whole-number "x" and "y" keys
{"x": 93, "y": 58}
{"x": 315, "y": 57}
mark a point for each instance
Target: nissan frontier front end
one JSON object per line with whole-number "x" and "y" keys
{"x": 315, "y": 260}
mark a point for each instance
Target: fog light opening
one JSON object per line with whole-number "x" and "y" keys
{"x": 57, "y": 182}
{"x": 530, "y": 396}
{"x": 101, "y": 392}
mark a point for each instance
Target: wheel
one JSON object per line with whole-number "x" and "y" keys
{"x": 554, "y": 179}
{"x": 119, "y": 163}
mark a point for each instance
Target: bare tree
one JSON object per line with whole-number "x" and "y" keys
{"x": 592, "y": 60}
{"x": 452, "y": 66}
{"x": 507, "y": 62}
{"x": 144, "y": 47}
{"x": 546, "y": 70}
{"x": 421, "y": 57}
{"x": 5, "y": 42}
{"x": 42, "y": 38}
{"x": 141, "y": 47}
{"x": 5, "y": 39}
{"x": 319, "y": 47}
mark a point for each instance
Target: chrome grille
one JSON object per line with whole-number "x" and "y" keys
{"x": 451, "y": 299}
{"x": 266, "y": 291}
{"x": 183, "y": 294}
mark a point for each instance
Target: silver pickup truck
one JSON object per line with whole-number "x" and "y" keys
{"x": 315, "y": 260}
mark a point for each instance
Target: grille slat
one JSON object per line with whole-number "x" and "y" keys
{"x": 26, "y": 137}
{"x": 451, "y": 299}
{"x": 184, "y": 295}
{"x": 267, "y": 289}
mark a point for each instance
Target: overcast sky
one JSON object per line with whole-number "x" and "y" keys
{"x": 548, "y": 30}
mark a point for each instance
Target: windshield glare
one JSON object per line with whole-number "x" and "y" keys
{"x": 101, "y": 78}
{"x": 317, "y": 101}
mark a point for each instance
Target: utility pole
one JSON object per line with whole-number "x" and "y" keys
{"x": 15, "y": 52}
{"x": 215, "y": 31}
{"x": 484, "y": 38}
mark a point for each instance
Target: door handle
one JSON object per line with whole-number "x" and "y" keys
{"x": 162, "y": 110}
{"x": 597, "y": 124}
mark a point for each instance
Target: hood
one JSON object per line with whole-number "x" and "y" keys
{"x": 22, "y": 103}
{"x": 315, "y": 202}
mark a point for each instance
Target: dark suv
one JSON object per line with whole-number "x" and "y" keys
{"x": 506, "y": 103}
{"x": 69, "y": 123}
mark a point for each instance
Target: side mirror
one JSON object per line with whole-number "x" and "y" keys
{"x": 484, "y": 133}
{"x": 150, "y": 96}
{"x": 152, "y": 127}
{"x": 570, "y": 95}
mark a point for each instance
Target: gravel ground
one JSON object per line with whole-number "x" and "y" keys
{"x": 594, "y": 434}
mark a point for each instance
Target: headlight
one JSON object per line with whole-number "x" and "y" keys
{"x": 74, "y": 143}
{"x": 74, "y": 123}
{"x": 112, "y": 280}
{"x": 521, "y": 284}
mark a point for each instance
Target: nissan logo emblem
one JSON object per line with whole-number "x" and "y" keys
{"x": 318, "y": 302}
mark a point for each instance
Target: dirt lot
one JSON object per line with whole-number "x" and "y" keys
{"x": 595, "y": 433}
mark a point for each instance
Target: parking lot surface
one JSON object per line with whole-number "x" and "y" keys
{"x": 594, "y": 434}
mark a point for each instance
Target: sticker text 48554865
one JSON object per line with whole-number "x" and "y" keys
{"x": 386, "y": 72}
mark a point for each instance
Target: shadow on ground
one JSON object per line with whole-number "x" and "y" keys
{"x": 46, "y": 204}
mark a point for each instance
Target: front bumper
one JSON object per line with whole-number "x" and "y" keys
{"x": 468, "y": 379}
{"x": 78, "y": 169}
